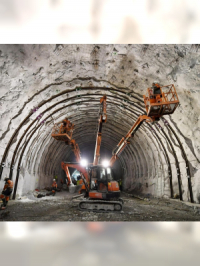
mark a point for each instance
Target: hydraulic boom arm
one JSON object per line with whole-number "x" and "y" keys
{"x": 125, "y": 140}
{"x": 80, "y": 168}
{"x": 102, "y": 119}
{"x": 76, "y": 150}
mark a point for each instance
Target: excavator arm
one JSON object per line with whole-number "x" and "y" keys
{"x": 82, "y": 171}
{"x": 102, "y": 119}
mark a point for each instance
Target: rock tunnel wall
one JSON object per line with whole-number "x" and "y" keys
{"x": 42, "y": 84}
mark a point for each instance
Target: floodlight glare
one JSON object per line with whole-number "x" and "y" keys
{"x": 105, "y": 163}
{"x": 84, "y": 162}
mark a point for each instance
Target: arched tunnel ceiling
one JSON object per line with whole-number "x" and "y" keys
{"x": 42, "y": 84}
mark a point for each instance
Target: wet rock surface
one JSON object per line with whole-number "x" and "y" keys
{"x": 61, "y": 208}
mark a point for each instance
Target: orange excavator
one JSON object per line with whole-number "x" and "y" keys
{"x": 102, "y": 192}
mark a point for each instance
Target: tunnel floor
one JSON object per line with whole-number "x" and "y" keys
{"x": 61, "y": 208}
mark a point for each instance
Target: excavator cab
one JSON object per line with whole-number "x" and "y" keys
{"x": 160, "y": 101}
{"x": 102, "y": 185}
{"x": 104, "y": 193}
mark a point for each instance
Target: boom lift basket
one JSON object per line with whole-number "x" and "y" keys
{"x": 63, "y": 131}
{"x": 160, "y": 101}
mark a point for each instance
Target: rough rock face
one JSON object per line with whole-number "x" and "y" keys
{"x": 42, "y": 84}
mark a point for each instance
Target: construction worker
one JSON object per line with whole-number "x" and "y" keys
{"x": 64, "y": 126}
{"x": 79, "y": 180}
{"x": 54, "y": 187}
{"x": 74, "y": 181}
{"x": 156, "y": 88}
{"x": 7, "y": 190}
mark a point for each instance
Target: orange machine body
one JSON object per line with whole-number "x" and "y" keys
{"x": 113, "y": 186}
{"x": 101, "y": 184}
{"x": 95, "y": 195}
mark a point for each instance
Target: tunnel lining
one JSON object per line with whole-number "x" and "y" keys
{"x": 38, "y": 139}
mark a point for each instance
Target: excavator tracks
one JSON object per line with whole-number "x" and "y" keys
{"x": 100, "y": 206}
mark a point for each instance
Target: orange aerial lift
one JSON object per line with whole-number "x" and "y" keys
{"x": 158, "y": 101}
{"x": 64, "y": 133}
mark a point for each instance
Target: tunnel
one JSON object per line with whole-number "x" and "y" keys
{"x": 43, "y": 84}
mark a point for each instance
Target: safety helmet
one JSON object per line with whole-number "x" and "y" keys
{"x": 54, "y": 180}
{"x": 156, "y": 84}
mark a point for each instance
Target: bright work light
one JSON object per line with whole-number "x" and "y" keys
{"x": 105, "y": 163}
{"x": 84, "y": 162}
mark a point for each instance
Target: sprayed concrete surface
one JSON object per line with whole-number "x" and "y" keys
{"x": 43, "y": 84}
{"x": 61, "y": 208}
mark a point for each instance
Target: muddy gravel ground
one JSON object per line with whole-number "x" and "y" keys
{"x": 61, "y": 208}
